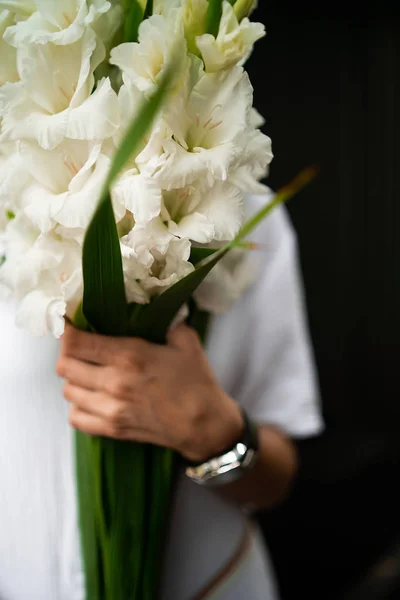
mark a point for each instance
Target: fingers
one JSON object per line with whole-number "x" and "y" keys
{"x": 99, "y": 426}
{"x": 95, "y": 425}
{"x": 116, "y": 412}
{"x": 183, "y": 338}
{"x": 82, "y": 374}
{"x": 104, "y": 350}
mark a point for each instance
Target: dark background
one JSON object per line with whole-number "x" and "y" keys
{"x": 327, "y": 80}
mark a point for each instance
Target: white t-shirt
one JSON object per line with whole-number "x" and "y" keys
{"x": 261, "y": 354}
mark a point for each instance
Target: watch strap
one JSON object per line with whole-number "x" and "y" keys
{"x": 230, "y": 464}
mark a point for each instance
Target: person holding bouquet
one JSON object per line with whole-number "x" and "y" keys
{"x": 130, "y": 159}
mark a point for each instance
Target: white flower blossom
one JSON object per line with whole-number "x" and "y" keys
{"x": 153, "y": 260}
{"x": 59, "y": 131}
{"x": 66, "y": 184}
{"x": 107, "y": 25}
{"x": 14, "y": 179}
{"x": 58, "y": 21}
{"x": 204, "y": 214}
{"x": 54, "y": 98}
{"x": 139, "y": 194}
{"x": 217, "y": 113}
{"x": 130, "y": 99}
{"x": 143, "y": 63}
{"x": 44, "y": 274}
{"x": 233, "y": 43}
{"x": 253, "y": 162}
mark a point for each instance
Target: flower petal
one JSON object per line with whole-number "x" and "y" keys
{"x": 222, "y": 205}
{"x": 219, "y": 107}
{"x": 196, "y": 227}
{"x": 139, "y": 194}
{"x": 61, "y": 23}
{"x": 233, "y": 43}
{"x": 81, "y": 200}
{"x": 53, "y": 99}
{"x": 177, "y": 167}
{"x": 97, "y": 118}
{"x": 41, "y": 313}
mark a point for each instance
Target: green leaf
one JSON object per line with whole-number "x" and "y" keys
{"x": 199, "y": 254}
{"x": 134, "y": 14}
{"x": 149, "y": 9}
{"x": 124, "y": 497}
{"x": 157, "y": 316}
{"x": 214, "y": 14}
{"x": 161, "y": 464}
{"x": 79, "y": 319}
{"x": 104, "y": 303}
{"x": 90, "y": 543}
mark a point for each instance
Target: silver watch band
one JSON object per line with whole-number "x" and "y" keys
{"x": 232, "y": 464}
{"x": 223, "y": 469}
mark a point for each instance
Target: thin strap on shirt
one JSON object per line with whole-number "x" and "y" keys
{"x": 230, "y": 567}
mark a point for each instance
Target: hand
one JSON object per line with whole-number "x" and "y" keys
{"x": 129, "y": 389}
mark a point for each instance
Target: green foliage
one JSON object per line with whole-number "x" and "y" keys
{"x": 214, "y": 14}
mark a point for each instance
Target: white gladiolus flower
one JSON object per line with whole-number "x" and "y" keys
{"x": 14, "y": 178}
{"x": 143, "y": 63}
{"x": 130, "y": 99}
{"x": 19, "y": 239}
{"x": 153, "y": 260}
{"x": 66, "y": 184}
{"x": 59, "y": 130}
{"x": 204, "y": 214}
{"x": 217, "y": 111}
{"x": 53, "y": 100}
{"x": 44, "y": 274}
{"x": 252, "y": 164}
{"x": 107, "y": 25}
{"x": 58, "y": 21}
{"x": 233, "y": 43}
{"x": 8, "y": 60}
{"x": 139, "y": 194}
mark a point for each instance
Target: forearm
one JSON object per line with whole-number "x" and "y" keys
{"x": 268, "y": 482}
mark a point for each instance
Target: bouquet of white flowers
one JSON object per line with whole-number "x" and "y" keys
{"x": 127, "y": 141}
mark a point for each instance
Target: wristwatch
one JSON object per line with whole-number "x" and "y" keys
{"x": 230, "y": 465}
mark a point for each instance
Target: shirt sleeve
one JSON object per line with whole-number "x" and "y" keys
{"x": 280, "y": 383}
{"x": 269, "y": 366}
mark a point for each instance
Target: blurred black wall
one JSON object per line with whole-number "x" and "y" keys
{"x": 327, "y": 80}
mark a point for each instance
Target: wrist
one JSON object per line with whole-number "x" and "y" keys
{"x": 231, "y": 464}
{"x": 221, "y": 431}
